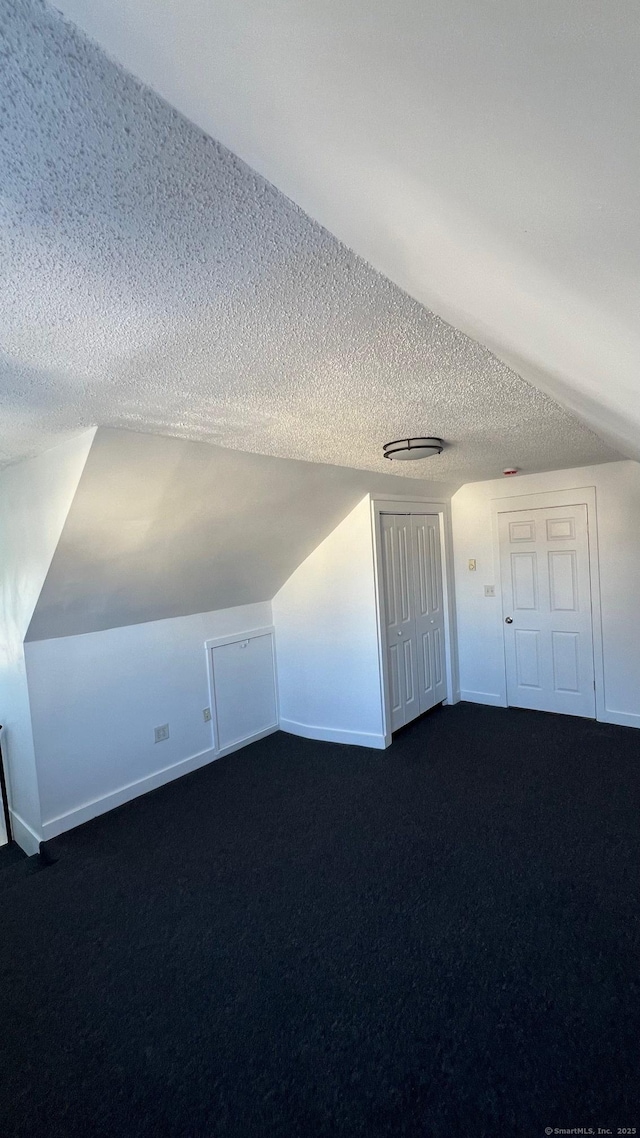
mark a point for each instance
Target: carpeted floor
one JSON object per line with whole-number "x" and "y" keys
{"x": 307, "y": 939}
{"x": 10, "y": 853}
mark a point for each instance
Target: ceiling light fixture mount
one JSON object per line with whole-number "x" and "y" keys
{"x": 408, "y": 450}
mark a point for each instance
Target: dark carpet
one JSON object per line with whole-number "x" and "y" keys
{"x": 311, "y": 939}
{"x": 9, "y": 854}
{"x": 14, "y": 866}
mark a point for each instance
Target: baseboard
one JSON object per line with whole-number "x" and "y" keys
{"x": 333, "y": 735}
{"x": 97, "y": 806}
{"x": 245, "y": 742}
{"x": 620, "y": 718}
{"x": 483, "y": 697}
{"x": 23, "y": 835}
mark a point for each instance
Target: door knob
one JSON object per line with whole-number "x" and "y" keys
{"x": 508, "y": 620}
{"x": 399, "y": 632}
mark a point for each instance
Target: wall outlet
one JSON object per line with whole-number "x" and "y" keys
{"x": 161, "y": 733}
{"x": 489, "y": 590}
{"x": 472, "y": 564}
{"x": 206, "y": 714}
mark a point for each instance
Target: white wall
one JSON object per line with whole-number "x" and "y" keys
{"x": 96, "y": 698}
{"x": 327, "y": 641}
{"x": 162, "y": 527}
{"x": 481, "y": 660}
{"x": 35, "y": 497}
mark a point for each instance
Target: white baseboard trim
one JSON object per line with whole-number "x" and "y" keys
{"x": 333, "y": 735}
{"x": 23, "y": 835}
{"x": 245, "y": 742}
{"x": 97, "y": 806}
{"x": 489, "y": 698}
{"x": 620, "y": 718}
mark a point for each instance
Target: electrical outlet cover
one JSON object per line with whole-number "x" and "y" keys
{"x": 161, "y": 733}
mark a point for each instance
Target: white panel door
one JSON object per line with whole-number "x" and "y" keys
{"x": 429, "y": 609}
{"x": 546, "y": 607}
{"x": 414, "y": 611}
{"x": 399, "y": 604}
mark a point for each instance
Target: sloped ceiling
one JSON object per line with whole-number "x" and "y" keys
{"x": 35, "y": 499}
{"x": 151, "y": 280}
{"x": 163, "y": 527}
{"x": 483, "y": 154}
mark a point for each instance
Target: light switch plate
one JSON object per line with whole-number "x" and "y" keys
{"x": 489, "y": 590}
{"x": 472, "y": 564}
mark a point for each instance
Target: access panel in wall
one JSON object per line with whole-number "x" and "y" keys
{"x": 243, "y": 688}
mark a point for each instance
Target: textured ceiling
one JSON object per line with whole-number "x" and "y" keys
{"x": 152, "y": 280}
{"x": 162, "y": 527}
{"x": 483, "y": 154}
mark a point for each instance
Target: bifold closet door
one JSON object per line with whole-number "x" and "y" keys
{"x": 399, "y": 606}
{"x": 414, "y": 614}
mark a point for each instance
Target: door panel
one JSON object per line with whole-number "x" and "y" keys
{"x": 389, "y": 576}
{"x": 409, "y": 668}
{"x": 527, "y": 658}
{"x": 565, "y": 647}
{"x": 524, "y": 580}
{"x": 403, "y": 596}
{"x": 394, "y": 680}
{"x": 561, "y": 529}
{"x": 427, "y": 656}
{"x": 546, "y": 599}
{"x": 563, "y": 594}
{"x": 521, "y": 531}
{"x": 438, "y": 659}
